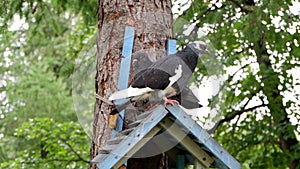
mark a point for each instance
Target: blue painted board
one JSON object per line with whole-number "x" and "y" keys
{"x": 201, "y": 134}
{"x": 125, "y": 68}
{"x": 107, "y": 161}
{"x": 171, "y": 47}
{"x": 180, "y": 162}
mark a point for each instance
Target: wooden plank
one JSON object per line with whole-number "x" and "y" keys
{"x": 171, "y": 47}
{"x": 115, "y": 140}
{"x": 107, "y": 149}
{"x": 137, "y": 146}
{"x": 99, "y": 158}
{"x": 180, "y": 162}
{"x": 142, "y": 115}
{"x": 201, "y": 134}
{"x": 186, "y": 142}
{"x": 135, "y": 123}
{"x": 125, "y": 68}
{"x": 124, "y": 132}
{"x": 172, "y": 156}
{"x": 132, "y": 139}
{"x": 198, "y": 165}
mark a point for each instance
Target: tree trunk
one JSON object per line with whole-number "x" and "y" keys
{"x": 280, "y": 120}
{"x": 153, "y": 21}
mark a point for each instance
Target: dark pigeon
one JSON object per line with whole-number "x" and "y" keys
{"x": 185, "y": 97}
{"x": 168, "y": 76}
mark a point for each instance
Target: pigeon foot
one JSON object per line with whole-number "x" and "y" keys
{"x": 170, "y": 101}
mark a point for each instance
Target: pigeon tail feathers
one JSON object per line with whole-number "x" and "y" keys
{"x": 129, "y": 92}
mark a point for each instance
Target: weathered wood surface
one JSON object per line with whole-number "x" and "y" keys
{"x": 218, "y": 151}
{"x": 123, "y": 80}
{"x": 186, "y": 142}
{"x": 107, "y": 161}
{"x": 134, "y": 141}
{"x": 153, "y": 23}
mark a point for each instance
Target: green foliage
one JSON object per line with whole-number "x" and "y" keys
{"x": 50, "y": 144}
{"x": 257, "y": 52}
{"x": 36, "y": 85}
{"x": 36, "y": 70}
{"x": 36, "y": 91}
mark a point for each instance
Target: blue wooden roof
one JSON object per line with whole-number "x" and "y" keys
{"x": 149, "y": 126}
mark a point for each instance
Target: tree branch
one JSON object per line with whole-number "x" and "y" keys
{"x": 66, "y": 160}
{"x": 74, "y": 151}
{"x": 240, "y": 6}
{"x": 229, "y": 79}
{"x": 232, "y": 116}
{"x": 55, "y": 159}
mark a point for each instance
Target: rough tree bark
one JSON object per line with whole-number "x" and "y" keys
{"x": 153, "y": 21}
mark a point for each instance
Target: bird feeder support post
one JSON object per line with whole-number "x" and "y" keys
{"x": 171, "y": 47}
{"x": 125, "y": 68}
{"x": 125, "y": 64}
